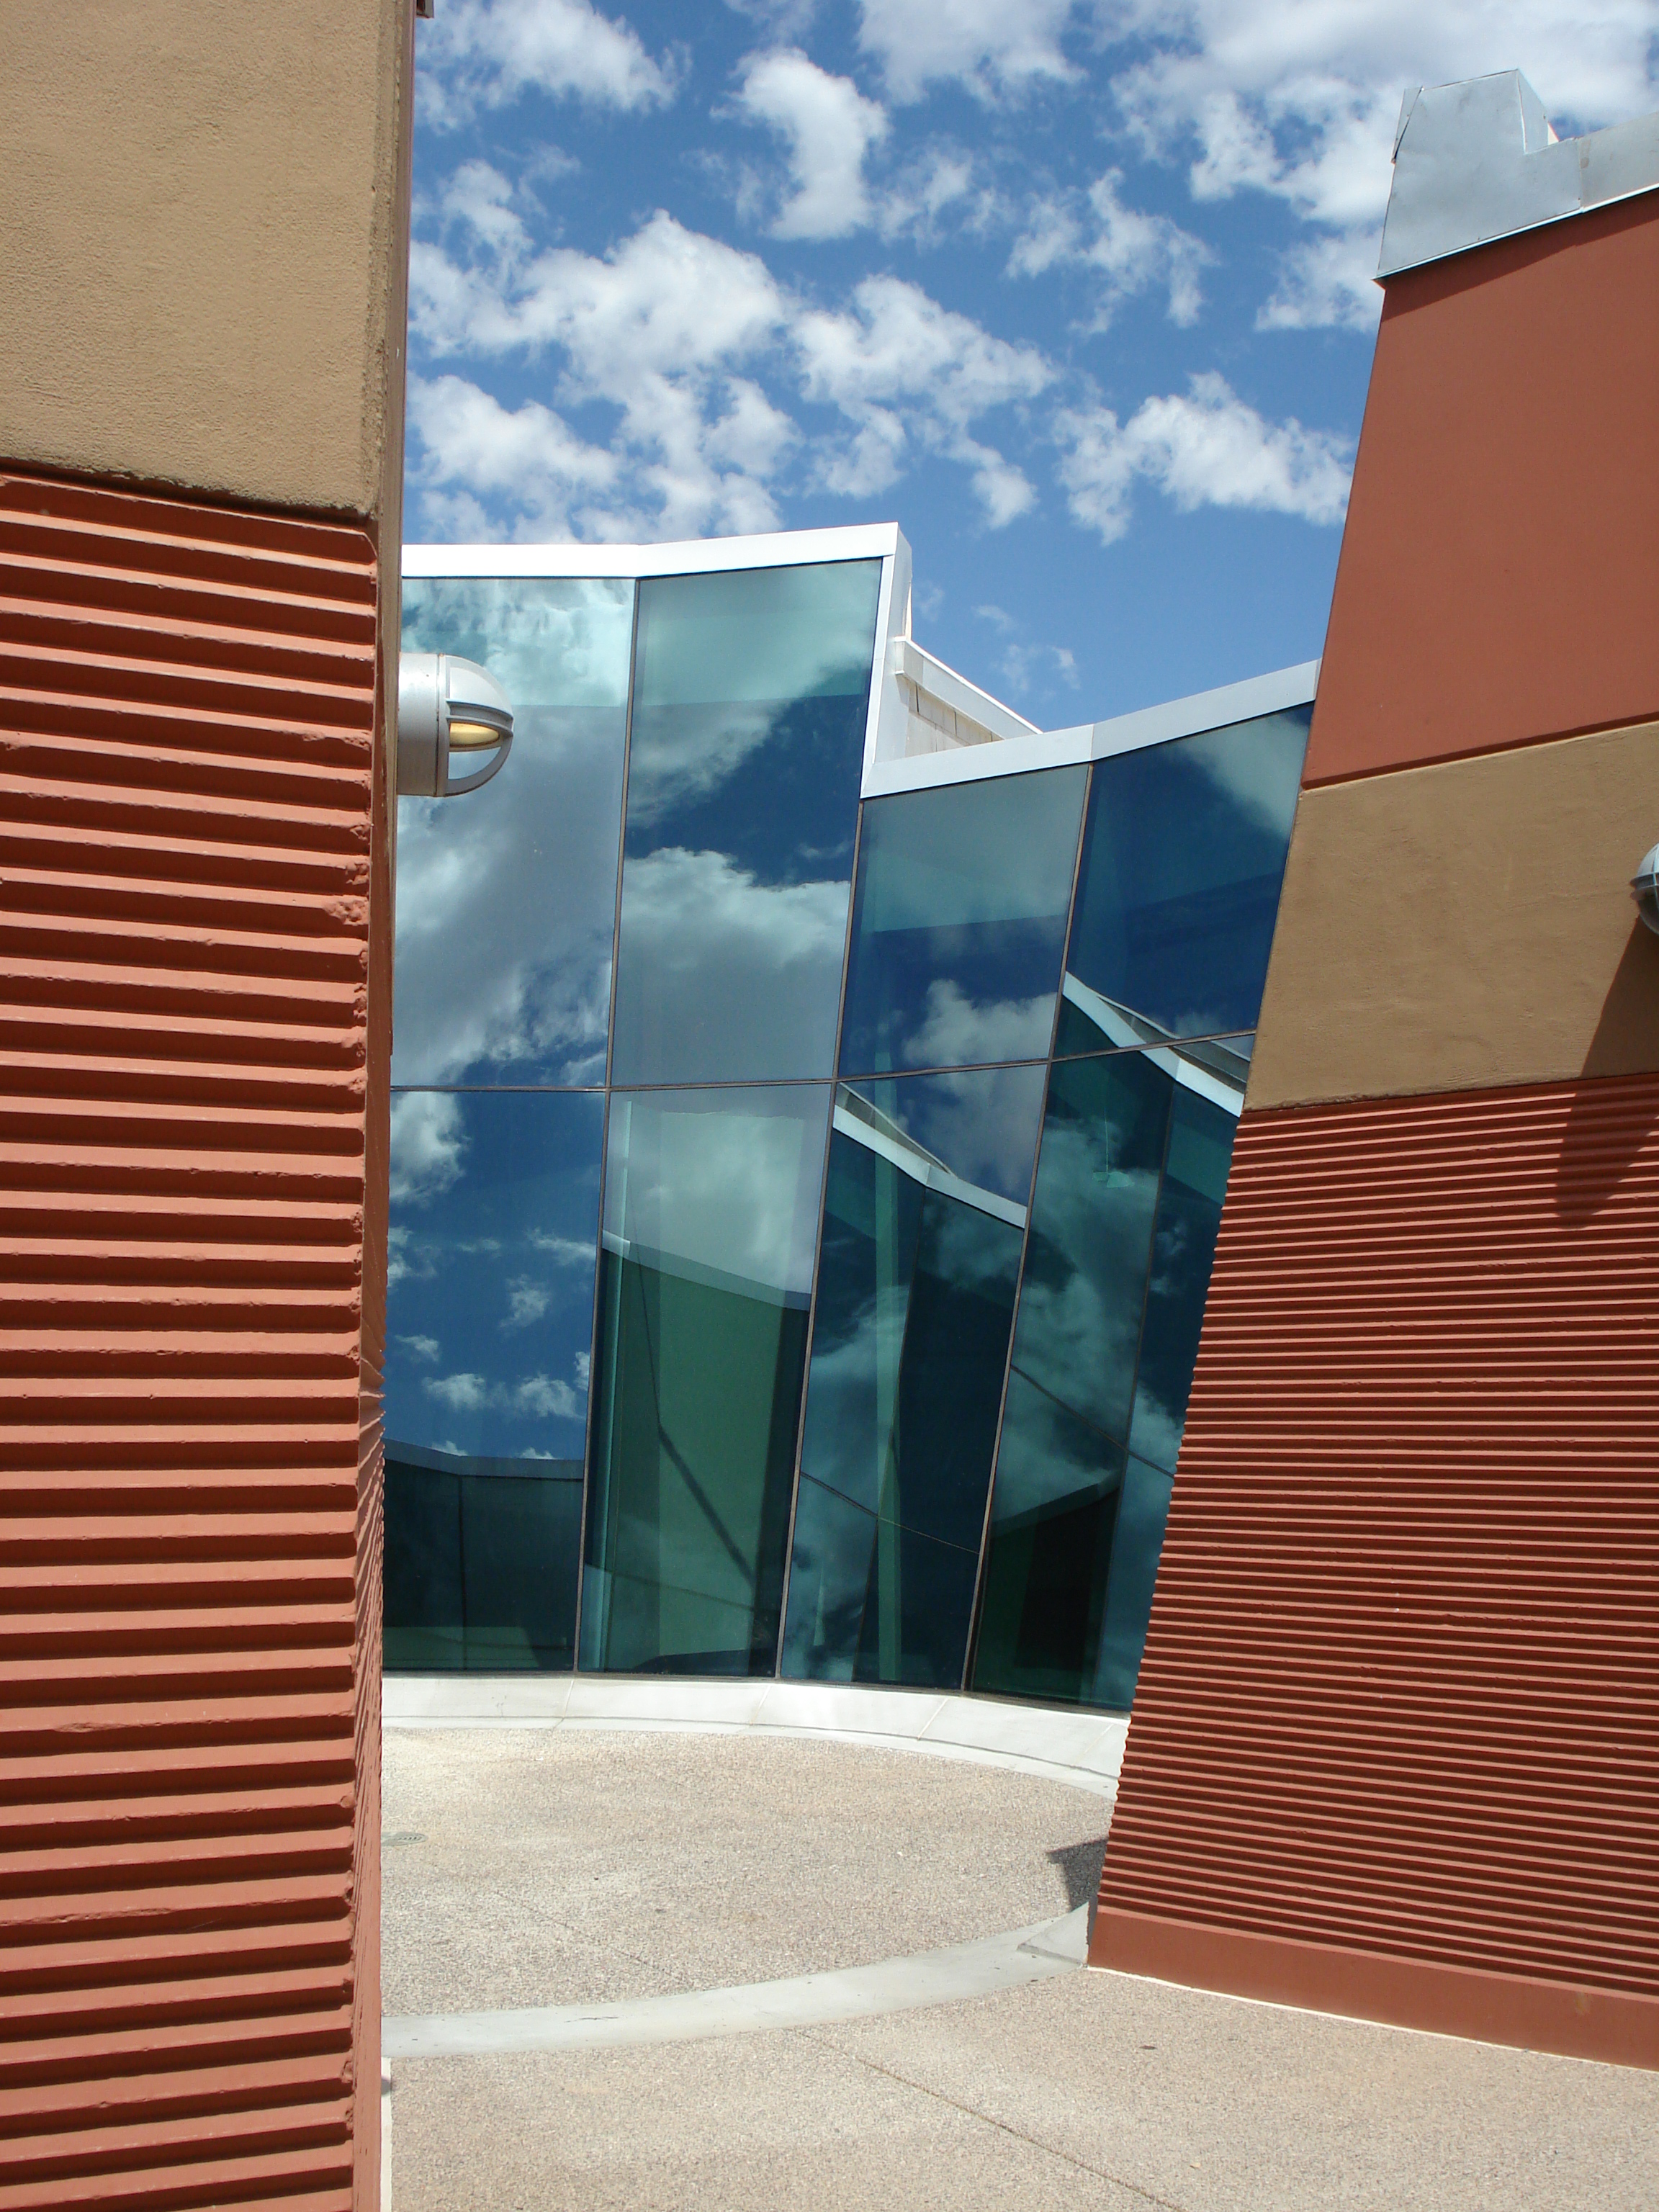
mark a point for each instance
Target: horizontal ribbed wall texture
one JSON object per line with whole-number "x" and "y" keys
{"x": 187, "y": 725}
{"x": 1396, "y": 1748}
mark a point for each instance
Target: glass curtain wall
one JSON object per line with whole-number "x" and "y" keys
{"x": 889, "y": 1246}
{"x": 506, "y": 914}
{"x": 1178, "y": 883}
{"x": 751, "y": 693}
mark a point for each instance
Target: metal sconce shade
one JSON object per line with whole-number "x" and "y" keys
{"x": 446, "y": 707}
{"x": 1644, "y": 889}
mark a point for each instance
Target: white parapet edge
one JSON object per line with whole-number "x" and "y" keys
{"x": 1058, "y": 1743}
{"x": 1274, "y": 693}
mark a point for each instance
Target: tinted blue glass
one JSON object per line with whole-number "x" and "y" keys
{"x": 873, "y": 1601}
{"x": 960, "y": 922}
{"x": 1059, "y": 1481}
{"x": 710, "y": 1215}
{"x": 507, "y": 897}
{"x": 1133, "y": 1167}
{"x": 917, "y": 1278}
{"x": 1200, "y": 1150}
{"x": 750, "y": 696}
{"x": 495, "y": 1220}
{"x": 1183, "y": 854}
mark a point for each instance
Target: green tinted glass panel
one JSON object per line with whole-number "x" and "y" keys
{"x": 747, "y": 746}
{"x": 507, "y": 899}
{"x": 710, "y": 1219}
{"x": 480, "y": 1560}
{"x": 915, "y": 1294}
{"x": 960, "y": 922}
{"x": 1133, "y": 1166}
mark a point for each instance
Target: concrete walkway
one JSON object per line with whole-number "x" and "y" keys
{"x": 591, "y": 1922}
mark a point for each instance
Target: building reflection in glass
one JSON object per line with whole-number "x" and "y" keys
{"x": 507, "y": 904}
{"x": 1184, "y": 855}
{"x": 923, "y": 1220}
{"x": 1136, "y": 1152}
{"x": 890, "y": 1370}
{"x": 751, "y": 693}
{"x": 711, "y": 1206}
{"x": 495, "y": 1211}
{"x": 964, "y": 893}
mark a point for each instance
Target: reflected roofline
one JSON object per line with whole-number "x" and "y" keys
{"x": 692, "y": 556}
{"x": 1275, "y": 693}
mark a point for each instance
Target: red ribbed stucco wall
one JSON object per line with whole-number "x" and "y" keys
{"x": 1395, "y": 1749}
{"x": 192, "y": 1085}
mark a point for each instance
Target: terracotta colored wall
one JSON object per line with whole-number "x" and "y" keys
{"x": 205, "y": 263}
{"x": 1394, "y": 1750}
{"x": 187, "y": 747}
{"x": 1500, "y": 564}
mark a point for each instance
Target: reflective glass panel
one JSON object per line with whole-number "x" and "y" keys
{"x": 1135, "y": 1150}
{"x": 480, "y": 1560}
{"x": 751, "y": 696}
{"x": 924, "y": 1216}
{"x": 960, "y": 922}
{"x": 494, "y": 1218}
{"x": 506, "y": 896}
{"x": 711, "y": 1210}
{"x": 1183, "y": 854}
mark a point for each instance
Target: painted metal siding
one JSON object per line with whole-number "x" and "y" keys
{"x": 187, "y": 725}
{"x": 1396, "y": 1747}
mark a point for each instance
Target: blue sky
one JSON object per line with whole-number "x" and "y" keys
{"x": 1076, "y": 290}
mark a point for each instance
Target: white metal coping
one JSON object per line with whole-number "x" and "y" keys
{"x": 1272, "y": 694}
{"x": 1059, "y": 1744}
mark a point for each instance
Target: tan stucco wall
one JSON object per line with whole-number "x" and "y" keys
{"x": 200, "y": 256}
{"x": 1466, "y": 924}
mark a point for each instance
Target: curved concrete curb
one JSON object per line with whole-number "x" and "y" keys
{"x": 931, "y": 1978}
{"x": 1061, "y": 1744}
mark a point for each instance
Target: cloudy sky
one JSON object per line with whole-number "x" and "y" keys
{"x": 1077, "y": 290}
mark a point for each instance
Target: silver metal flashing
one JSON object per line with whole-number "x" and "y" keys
{"x": 1480, "y": 161}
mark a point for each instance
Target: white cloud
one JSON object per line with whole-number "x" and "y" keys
{"x": 428, "y": 1141}
{"x": 658, "y": 328}
{"x": 563, "y": 1251}
{"x": 755, "y": 963}
{"x": 526, "y": 1302}
{"x": 989, "y": 45}
{"x": 485, "y": 53}
{"x": 461, "y": 1393}
{"x": 1324, "y": 284}
{"x": 1300, "y": 99}
{"x": 478, "y": 1393}
{"x": 898, "y": 364}
{"x": 935, "y": 179}
{"x": 828, "y": 126}
{"x": 1207, "y": 448}
{"x": 1133, "y": 252}
{"x": 954, "y": 1028}
{"x": 422, "y": 1347}
{"x": 665, "y": 328}
{"x": 469, "y": 447}
{"x": 545, "y": 1393}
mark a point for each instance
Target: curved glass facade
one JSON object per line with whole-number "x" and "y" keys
{"x": 798, "y": 1266}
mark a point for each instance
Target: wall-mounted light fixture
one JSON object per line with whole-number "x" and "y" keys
{"x": 452, "y": 716}
{"x": 1644, "y": 889}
